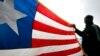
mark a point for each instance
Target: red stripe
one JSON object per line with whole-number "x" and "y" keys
{"x": 43, "y": 42}
{"x": 43, "y": 10}
{"x": 62, "y": 53}
{"x": 46, "y": 28}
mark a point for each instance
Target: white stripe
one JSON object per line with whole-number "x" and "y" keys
{"x": 43, "y": 19}
{"x": 37, "y": 51}
{"x": 80, "y": 53}
{"x": 44, "y": 35}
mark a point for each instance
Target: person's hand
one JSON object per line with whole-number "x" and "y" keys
{"x": 74, "y": 26}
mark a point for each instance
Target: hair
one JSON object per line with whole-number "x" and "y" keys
{"x": 1, "y": 0}
{"x": 90, "y": 17}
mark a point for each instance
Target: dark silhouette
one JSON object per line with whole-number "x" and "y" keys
{"x": 1, "y": 0}
{"x": 90, "y": 36}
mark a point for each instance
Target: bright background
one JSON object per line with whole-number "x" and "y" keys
{"x": 74, "y": 11}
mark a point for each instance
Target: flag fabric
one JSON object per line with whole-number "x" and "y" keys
{"x": 16, "y": 17}
{"x": 52, "y": 35}
{"x": 28, "y": 28}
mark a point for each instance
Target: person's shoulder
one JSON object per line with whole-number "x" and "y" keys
{"x": 92, "y": 27}
{"x": 96, "y": 26}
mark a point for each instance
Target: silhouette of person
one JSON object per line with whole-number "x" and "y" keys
{"x": 90, "y": 36}
{"x": 1, "y": 0}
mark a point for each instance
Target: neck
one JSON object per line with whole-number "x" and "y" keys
{"x": 87, "y": 25}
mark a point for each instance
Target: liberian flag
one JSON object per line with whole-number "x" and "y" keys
{"x": 35, "y": 31}
{"x": 52, "y": 35}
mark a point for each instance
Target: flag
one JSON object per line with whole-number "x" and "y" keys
{"x": 52, "y": 35}
{"x": 28, "y": 28}
{"x": 16, "y": 17}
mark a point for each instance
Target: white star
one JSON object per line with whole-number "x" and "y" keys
{"x": 9, "y": 15}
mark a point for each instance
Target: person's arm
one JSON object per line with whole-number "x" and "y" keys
{"x": 80, "y": 33}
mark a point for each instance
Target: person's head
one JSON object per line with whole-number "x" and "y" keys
{"x": 1, "y": 0}
{"x": 88, "y": 20}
